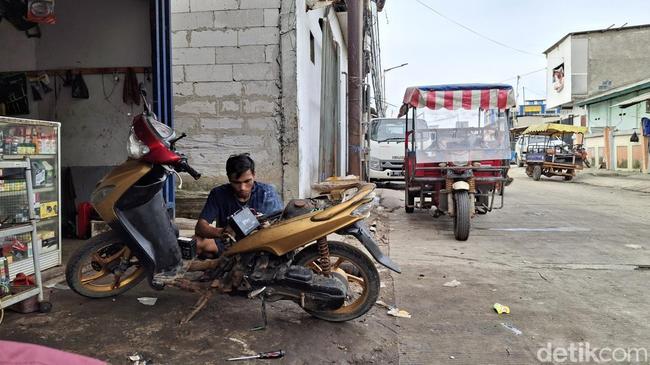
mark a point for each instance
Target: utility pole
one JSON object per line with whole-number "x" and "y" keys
{"x": 355, "y": 83}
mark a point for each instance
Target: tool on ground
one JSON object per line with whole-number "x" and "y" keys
{"x": 262, "y": 355}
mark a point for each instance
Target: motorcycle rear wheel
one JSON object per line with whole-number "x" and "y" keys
{"x": 360, "y": 271}
{"x": 91, "y": 268}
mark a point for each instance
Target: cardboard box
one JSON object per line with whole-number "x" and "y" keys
{"x": 49, "y": 209}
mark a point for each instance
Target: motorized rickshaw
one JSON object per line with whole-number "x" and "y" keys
{"x": 554, "y": 153}
{"x": 459, "y": 164}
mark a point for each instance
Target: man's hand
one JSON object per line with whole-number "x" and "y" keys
{"x": 205, "y": 230}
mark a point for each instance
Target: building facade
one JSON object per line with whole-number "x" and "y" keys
{"x": 267, "y": 77}
{"x": 588, "y": 73}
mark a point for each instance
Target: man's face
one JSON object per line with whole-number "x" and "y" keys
{"x": 243, "y": 185}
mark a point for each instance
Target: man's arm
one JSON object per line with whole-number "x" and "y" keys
{"x": 205, "y": 230}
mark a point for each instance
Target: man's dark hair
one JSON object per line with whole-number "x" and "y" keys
{"x": 238, "y": 164}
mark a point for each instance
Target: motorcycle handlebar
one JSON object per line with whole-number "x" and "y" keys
{"x": 185, "y": 167}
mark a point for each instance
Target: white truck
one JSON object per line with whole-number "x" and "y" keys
{"x": 386, "y": 158}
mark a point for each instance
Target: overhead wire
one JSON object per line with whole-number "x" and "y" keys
{"x": 475, "y": 32}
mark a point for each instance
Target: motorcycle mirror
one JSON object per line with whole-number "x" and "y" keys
{"x": 143, "y": 94}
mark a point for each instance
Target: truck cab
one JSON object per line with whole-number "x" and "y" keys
{"x": 387, "y": 148}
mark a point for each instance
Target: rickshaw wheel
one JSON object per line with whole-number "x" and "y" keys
{"x": 537, "y": 172}
{"x": 570, "y": 177}
{"x": 408, "y": 200}
{"x": 462, "y": 216}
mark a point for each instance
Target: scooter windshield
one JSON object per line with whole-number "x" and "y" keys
{"x": 463, "y": 136}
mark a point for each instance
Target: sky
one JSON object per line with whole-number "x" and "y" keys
{"x": 438, "y": 51}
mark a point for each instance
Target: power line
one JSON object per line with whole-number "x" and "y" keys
{"x": 525, "y": 74}
{"x": 475, "y": 32}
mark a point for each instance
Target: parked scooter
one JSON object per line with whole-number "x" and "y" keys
{"x": 276, "y": 257}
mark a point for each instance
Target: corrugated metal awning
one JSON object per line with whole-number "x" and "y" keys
{"x": 632, "y": 101}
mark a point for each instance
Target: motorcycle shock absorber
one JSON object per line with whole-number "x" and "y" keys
{"x": 324, "y": 252}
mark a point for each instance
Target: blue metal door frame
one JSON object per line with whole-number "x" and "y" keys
{"x": 163, "y": 103}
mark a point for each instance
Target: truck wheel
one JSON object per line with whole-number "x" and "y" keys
{"x": 537, "y": 172}
{"x": 462, "y": 217}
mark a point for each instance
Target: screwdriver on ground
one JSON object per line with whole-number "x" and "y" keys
{"x": 262, "y": 355}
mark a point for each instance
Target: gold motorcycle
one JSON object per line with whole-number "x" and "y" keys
{"x": 281, "y": 256}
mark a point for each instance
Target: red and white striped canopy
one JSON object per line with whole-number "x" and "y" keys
{"x": 465, "y": 96}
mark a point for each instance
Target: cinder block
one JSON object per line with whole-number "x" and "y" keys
{"x": 204, "y": 5}
{"x": 259, "y": 106}
{"x": 271, "y": 17}
{"x": 262, "y": 124}
{"x": 179, "y": 39}
{"x": 213, "y": 38}
{"x": 222, "y": 123}
{"x": 208, "y": 73}
{"x": 192, "y": 56}
{"x": 255, "y": 71}
{"x": 180, "y": 6}
{"x": 191, "y": 21}
{"x": 183, "y": 89}
{"x": 196, "y": 107}
{"x": 246, "y": 54}
{"x": 229, "y": 107}
{"x": 218, "y": 89}
{"x": 259, "y": 4}
{"x": 177, "y": 74}
{"x": 271, "y": 53}
{"x": 259, "y": 36}
{"x": 239, "y": 18}
{"x": 261, "y": 88}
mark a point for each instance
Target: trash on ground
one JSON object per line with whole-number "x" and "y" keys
{"x": 452, "y": 357}
{"x": 147, "y": 300}
{"x": 633, "y": 246}
{"x": 57, "y": 285}
{"x": 393, "y": 310}
{"x": 396, "y": 312}
{"x": 262, "y": 355}
{"x": 373, "y": 229}
{"x": 542, "y": 276}
{"x": 341, "y": 347}
{"x": 452, "y": 284}
{"x": 138, "y": 359}
{"x": 500, "y": 308}
{"x": 512, "y": 328}
{"x": 382, "y": 285}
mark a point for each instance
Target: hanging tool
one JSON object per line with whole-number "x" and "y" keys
{"x": 262, "y": 355}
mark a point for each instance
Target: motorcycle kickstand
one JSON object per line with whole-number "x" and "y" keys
{"x": 264, "y": 320}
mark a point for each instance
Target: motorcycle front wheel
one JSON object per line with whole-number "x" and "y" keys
{"x": 357, "y": 268}
{"x": 103, "y": 267}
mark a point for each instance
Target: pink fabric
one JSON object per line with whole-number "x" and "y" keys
{"x": 15, "y": 353}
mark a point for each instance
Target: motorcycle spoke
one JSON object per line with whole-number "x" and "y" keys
{"x": 314, "y": 266}
{"x": 355, "y": 279}
{"x": 98, "y": 275}
{"x": 338, "y": 263}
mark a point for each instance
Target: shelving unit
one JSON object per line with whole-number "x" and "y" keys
{"x": 14, "y": 231}
{"x": 43, "y": 139}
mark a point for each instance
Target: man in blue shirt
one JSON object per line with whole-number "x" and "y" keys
{"x": 241, "y": 191}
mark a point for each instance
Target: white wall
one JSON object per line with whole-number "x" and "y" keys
{"x": 87, "y": 34}
{"x": 309, "y": 84}
{"x": 560, "y": 54}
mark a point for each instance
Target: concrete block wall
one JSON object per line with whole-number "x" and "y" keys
{"x": 227, "y": 86}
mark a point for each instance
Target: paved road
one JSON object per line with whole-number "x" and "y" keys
{"x": 556, "y": 254}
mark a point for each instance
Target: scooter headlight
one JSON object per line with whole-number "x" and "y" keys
{"x": 134, "y": 147}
